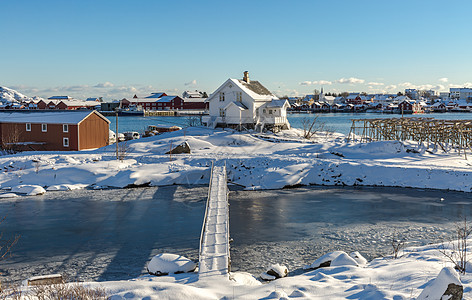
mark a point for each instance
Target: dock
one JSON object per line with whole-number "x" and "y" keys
{"x": 214, "y": 258}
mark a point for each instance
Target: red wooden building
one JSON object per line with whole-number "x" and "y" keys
{"x": 53, "y": 131}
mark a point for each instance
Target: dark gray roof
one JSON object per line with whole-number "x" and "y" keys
{"x": 256, "y": 87}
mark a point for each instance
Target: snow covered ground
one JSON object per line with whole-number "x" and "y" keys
{"x": 414, "y": 272}
{"x": 254, "y": 161}
{"x": 258, "y": 161}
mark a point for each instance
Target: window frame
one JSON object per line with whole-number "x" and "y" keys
{"x": 64, "y": 144}
{"x": 65, "y": 128}
{"x": 44, "y": 127}
{"x": 28, "y": 126}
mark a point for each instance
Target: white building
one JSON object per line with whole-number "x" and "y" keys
{"x": 246, "y": 103}
{"x": 464, "y": 94}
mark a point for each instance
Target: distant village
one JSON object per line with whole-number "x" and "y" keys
{"x": 409, "y": 101}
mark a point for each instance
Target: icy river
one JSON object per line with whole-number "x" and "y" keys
{"x": 112, "y": 234}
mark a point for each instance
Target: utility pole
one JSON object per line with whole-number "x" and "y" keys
{"x": 116, "y": 133}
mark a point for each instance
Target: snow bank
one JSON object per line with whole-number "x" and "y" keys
{"x": 29, "y": 190}
{"x": 166, "y": 263}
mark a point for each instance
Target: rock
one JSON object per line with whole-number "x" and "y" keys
{"x": 167, "y": 263}
{"x": 182, "y": 148}
{"x": 447, "y": 285}
{"x": 343, "y": 260}
{"x": 278, "y": 271}
{"x": 29, "y": 190}
{"x": 358, "y": 258}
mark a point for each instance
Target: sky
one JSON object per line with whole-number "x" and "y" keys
{"x": 115, "y": 49}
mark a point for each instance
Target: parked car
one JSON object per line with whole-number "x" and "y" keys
{"x": 131, "y": 135}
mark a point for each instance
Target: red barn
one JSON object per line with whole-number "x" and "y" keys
{"x": 53, "y": 131}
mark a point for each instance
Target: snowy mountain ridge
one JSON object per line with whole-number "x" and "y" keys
{"x": 10, "y": 95}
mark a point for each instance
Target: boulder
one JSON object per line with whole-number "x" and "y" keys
{"x": 182, "y": 148}
{"x": 446, "y": 286}
{"x": 167, "y": 263}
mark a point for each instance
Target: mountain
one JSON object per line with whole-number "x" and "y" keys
{"x": 9, "y": 95}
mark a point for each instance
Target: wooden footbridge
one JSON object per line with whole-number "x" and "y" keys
{"x": 214, "y": 257}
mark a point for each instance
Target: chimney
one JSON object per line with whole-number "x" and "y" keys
{"x": 246, "y": 77}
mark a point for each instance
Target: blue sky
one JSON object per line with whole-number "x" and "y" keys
{"x": 118, "y": 48}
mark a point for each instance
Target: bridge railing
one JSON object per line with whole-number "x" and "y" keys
{"x": 206, "y": 211}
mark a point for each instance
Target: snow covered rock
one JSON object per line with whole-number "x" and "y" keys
{"x": 167, "y": 263}
{"x": 274, "y": 272}
{"x": 343, "y": 260}
{"x": 358, "y": 258}
{"x": 8, "y": 195}
{"x": 182, "y": 148}
{"x": 267, "y": 277}
{"x": 446, "y": 286}
{"x": 29, "y": 190}
{"x": 58, "y": 187}
{"x": 325, "y": 260}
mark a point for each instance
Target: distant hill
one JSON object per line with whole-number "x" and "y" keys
{"x": 9, "y": 95}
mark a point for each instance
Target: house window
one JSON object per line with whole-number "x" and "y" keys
{"x": 222, "y": 96}
{"x": 222, "y": 112}
{"x": 270, "y": 111}
{"x": 239, "y": 96}
{"x": 65, "y": 127}
{"x": 28, "y": 126}
{"x": 65, "y": 142}
{"x": 44, "y": 127}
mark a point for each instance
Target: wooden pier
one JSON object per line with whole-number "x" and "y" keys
{"x": 214, "y": 258}
{"x": 159, "y": 113}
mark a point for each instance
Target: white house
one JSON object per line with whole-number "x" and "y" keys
{"x": 246, "y": 103}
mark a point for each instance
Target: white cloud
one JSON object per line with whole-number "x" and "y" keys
{"x": 305, "y": 83}
{"x": 350, "y": 80}
{"x": 316, "y": 82}
{"x": 444, "y": 79}
{"x": 104, "y": 85}
{"x": 193, "y": 82}
{"x": 375, "y": 83}
{"x": 322, "y": 82}
{"x": 391, "y": 87}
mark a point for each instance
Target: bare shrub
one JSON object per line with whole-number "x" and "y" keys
{"x": 72, "y": 291}
{"x": 10, "y": 139}
{"x": 458, "y": 254}
{"x": 397, "y": 244}
{"x": 314, "y": 126}
{"x": 123, "y": 150}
